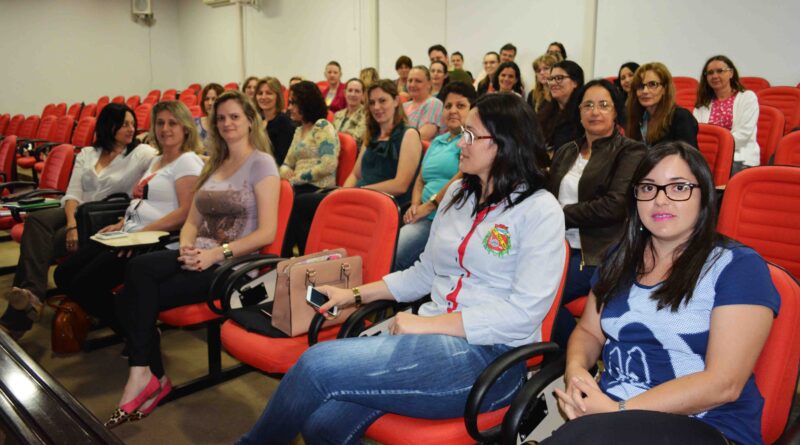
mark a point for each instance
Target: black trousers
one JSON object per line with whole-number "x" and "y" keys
{"x": 89, "y": 276}
{"x": 306, "y": 201}
{"x": 155, "y": 282}
{"x": 636, "y": 427}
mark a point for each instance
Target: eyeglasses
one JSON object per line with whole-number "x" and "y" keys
{"x": 603, "y": 106}
{"x": 557, "y": 79}
{"x": 470, "y": 138}
{"x": 652, "y": 85}
{"x": 674, "y": 191}
{"x": 717, "y": 71}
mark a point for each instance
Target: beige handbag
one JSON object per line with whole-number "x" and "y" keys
{"x": 291, "y": 313}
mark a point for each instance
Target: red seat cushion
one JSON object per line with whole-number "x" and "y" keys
{"x": 188, "y": 315}
{"x": 16, "y": 232}
{"x": 26, "y": 161}
{"x": 39, "y": 166}
{"x": 576, "y": 306}
{"x": 7, "y": 222}
{"x": 401, "y": 430}
{"x": 274, "y": 355}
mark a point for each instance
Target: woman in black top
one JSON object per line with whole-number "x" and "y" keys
{"x": 557, "y": 121}
{"x": 280, "y": 129}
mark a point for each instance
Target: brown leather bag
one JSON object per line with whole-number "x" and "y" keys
{"x": 70, "y": 326}
{"x": 291, "y": 313}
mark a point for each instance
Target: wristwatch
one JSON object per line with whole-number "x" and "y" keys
{"x": 356, "y": 297}
{"x": 434, "y": 201}
{"x": 226, "y": 251}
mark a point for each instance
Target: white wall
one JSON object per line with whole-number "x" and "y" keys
{"x": 75, "y": 51}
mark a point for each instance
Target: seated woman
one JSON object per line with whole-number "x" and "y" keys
{"x": 439, "y": 79}
{"x": 557, "y": 49}
{"x": 234, "y": 212}
{"x": 161, "y": 201}
{"x": 333, "y": 90}
{"x": 280, "y": 128}
{"x": 403, "y": 67}
{"x": 591, "y": 176}
{"x": 353, "y": 119}
{"x": 423, "y": 111}
{"x": 506, "y": 282}
{"x": 653, "y": 117}
{"x": 490, "y": 62}
{"x": 723, "y": 101}
{"x": 508, "y": 79}
{"x": 540, "y": 94}
{"x": 368, "y": 76}
{"x": 439, "y": 169}
{"x": 388, "y": 161}
{"x": 249, "y": 87}
{"x": 558, "y": 117}
{"x": 113, "y": 165}
{"x": 679, "y": 315}
{"x": 625, "y": 78}
{"x": 207, "y": 98}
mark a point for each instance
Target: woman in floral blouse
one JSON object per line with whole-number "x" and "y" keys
{"x": 353, "y": 119}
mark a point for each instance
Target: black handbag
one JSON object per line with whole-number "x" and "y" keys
{"x": 93, "y": 216}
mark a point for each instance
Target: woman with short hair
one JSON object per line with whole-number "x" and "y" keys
{"x": 423, "y": 111}
{"x": 353, "y": 119}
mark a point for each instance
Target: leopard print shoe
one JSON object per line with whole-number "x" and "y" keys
{"x": 118, "y": 418}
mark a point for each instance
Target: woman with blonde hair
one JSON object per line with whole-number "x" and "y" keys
{"x": 653, "y": 116}
{"x": 234, "y": 213}
{"x": 540, "y": 94}
{"x": 368, "y": 76}
{"x": 279, "y": 127}
{"x": 249, "y": 87}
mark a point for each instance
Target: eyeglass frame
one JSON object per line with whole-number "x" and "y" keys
{"x": 590, "y": 106}
{"x": 717, "y": 71}
{"x": 557, "y": 79}
{"x": 660, "y": 188}
{"x": 652, "y": 86}
{"x": 470, "y": 137}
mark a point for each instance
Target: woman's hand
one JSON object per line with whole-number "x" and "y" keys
{"x": 112, "y": 227}
{"x": 337, "y": 296}
{"x": 72, "y": 240}
{"x": 199, "y": 260}
{"x": 422, "y": 212}
{"x": 410, "y": 213}
{"x": 583, "y": 396}
{"x": 407, "y": 323}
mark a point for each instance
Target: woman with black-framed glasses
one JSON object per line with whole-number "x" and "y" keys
{"x": 678, "y": 313}
{"x": 557, "y": 117}
{"x": 653, "y": 116}
{"x": 723, "y": 101}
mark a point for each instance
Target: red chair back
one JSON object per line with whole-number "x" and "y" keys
{"x": 62, "y": 131}
{"x": 363, "y": 221}
{"x": 348, "y": 152}
{"x": 75, "y": 110}
{"x": 57, "y": 168}
{"x": 102, "y": 101}
{"x": 154, "y": 93}
{"x": 89, "y": 110}
{"x": 285, "y": 204}
{"x": 99, "y": 109}
{"x": 150, "y": 100}
{"x": 755, "y": 84}
{"x": 143, "y": 116}
{"x": 46, "y": 126}
{"x": 685, "y": 91}
{"x": 777, "y": 367}
{"x": 189, "y": 99}
{"x": 49, "y": 109}
{"x": 133, "y": 102}
{"x": 330, "y": 116}
{"x": 769, "y": 131}
{"x": 14, "y": 125}
{"x": 28, "y": 128}
{"x": 4, "y": 120}
{"x": 8, "y": 156}
{"x": 196, "y": 111}
{"x": 60, "y": 110}
{"x": 84, "y": 132}
{"x": 761, "y": 209}
{"x": 196, "y": 87}
{"x": 788, "y": 152}
{"x": 786, "y": 99}
{"x": 187, "y": 93}
{"x": 231, "y": 86}
{"x": 716, "y": 144}
{"x": 118, "y": 100}
{"x": 169, "y": 95}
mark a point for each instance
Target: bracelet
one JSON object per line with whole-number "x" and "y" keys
{"x": 72, "y": 228}
{"x": 357, "y": 297}
{"x": 226, "y": 251}
{"x": 621, "y": 405}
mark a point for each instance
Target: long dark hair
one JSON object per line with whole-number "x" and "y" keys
{"x": 109, "y": 122}
{"x": 625, "y": 262}
{"x": 521, "y": 155}
{"x": 518, "y": 87}
{"x": 551, "y": 116}
{"x": 632, "y": 66}
{"x": 704, "y": 91}
{"x": 308, "y": 99}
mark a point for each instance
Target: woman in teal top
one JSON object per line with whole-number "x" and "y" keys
{"x": 439, "y": 169}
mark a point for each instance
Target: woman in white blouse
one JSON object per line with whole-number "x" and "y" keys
{"x": 112, "y": 165}
{"x": 722, "y": 100}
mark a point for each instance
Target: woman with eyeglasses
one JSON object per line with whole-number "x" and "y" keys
{"x": 723, "y": 101}
{"x": 438, "y": 170}
{"x": 591, "y": 176}
{"x": 540, "y": 94}
{"x": 653, "y": 116}
{"x": 557, "y": 117}
{"x": 161, "y": 201}
{"x": 678, "y": 313}
{"x": 508, "y": 79}
{"x": 492, "y": 265}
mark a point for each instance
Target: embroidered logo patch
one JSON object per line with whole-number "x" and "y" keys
{"x": 498, "y": 240}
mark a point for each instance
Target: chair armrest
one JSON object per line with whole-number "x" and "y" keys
{"x": 488, "y": 378}
{"x": 11, "y": 185}
{"x": 226, "y": 278}
{"x": 37, "y": 153}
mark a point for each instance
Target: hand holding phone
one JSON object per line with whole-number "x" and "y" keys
{"x": 316, "y": 299}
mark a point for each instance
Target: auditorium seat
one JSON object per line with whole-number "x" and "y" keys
{"x": 49, "y": 109}
{"x": 118, "y": 100}
{"x": 330, "y": 116}
{"x": 75, "y": 110}
{"x": 60, "y": 109}
{"x": 101, "y": 103}
{"x": 754, "y": 84}
{"x": 788, "y": 152}
{"x": 188, "y": 99}
{"x": 685, "y": 91}
{"x": 786, "y": 99}
{"x": 154, "y": 93}
{"x": 196, "y": 111}
{"x": 26, "y": 146}
{"x": 717, "y": 145}
{"x": 133, "y": 102}
{"x": 348, "y": 153}
{"x": 4, "y": 120}
{"x": 769, "y": 131}
{"x": 14, "y": 125}
{"x": 83, "y": 136}
{"x": 60, "y": 134}
{"x": 231, "y": 86}
{"x": 8, "y": 159}
{"x": 196, "y": 87}
{"x": 89, "y": 110}
{"x": 143, "y": 117}
{"x": 169, "y": 95}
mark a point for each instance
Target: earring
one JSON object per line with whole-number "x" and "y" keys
{"x": 641, "y": 228}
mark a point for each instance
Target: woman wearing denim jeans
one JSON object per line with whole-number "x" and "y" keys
{"x": 492, "y": 265}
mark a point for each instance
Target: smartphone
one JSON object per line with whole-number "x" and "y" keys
{"x": 111, "y": 235}
{"x": 317, "y": 299}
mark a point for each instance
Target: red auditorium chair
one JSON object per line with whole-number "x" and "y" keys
{"x": 717, "y": 145}
{"x": 152, "y": 100}
{"x": 28, "y": 128}
{"x": 26, "y": 146}
{"x": 118, "y": 100}
{"x": 142, "y": 113}
{"x": 323, "y": 85}
{"x": 14, "y": 125}
{"x": 75, "y": 110}
{"x": 761, "y": 209}
{"x": 364, "y": 222}
{"x": 49, "y": 109}
{"x": 196, "y": 111}
{"x": 786, "y": 99}
{"x": 330, "y": 116}
{"x": 188, "y": 99}
{"x": 788, "y": 152}
{"x": 154, "y": 93}
{"x": 60, "y": 134}
{"x": 83, "y": 136}
{"x": 101, "y": 103}
{"x": 754, "y": 84}
{"x": 769, "y": 131}
{"x": 61, "y": 109}
{"x": 348, "y": 152}
{"x": 169, "y": 95}
{"x": 89, "y": 110}
{"x": 685, "y": 91}
{"x": 8, "y": 160}
{"x": 133, "y": 102}
{"x": 231, "y": 86}
{"x": 196, "y": 87}
{"x": 4, "y": 120}
{"x": 206, "y": 313}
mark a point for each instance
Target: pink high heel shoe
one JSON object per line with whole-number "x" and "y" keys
{"x": 123, "y": 413}
{"x": 140, "y": 414}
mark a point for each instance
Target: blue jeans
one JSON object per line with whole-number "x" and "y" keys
{"x": 338, "y": 388}
{"x": 577, "y": 285}
{"x": 411, "y": 242}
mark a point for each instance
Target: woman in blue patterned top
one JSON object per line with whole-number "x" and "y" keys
{"x": 679, "y": 315}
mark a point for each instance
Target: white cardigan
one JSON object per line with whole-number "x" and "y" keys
{"x": 745, "y": 122}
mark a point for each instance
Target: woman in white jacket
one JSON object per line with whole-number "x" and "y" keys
{"x": 722, "y": 100}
